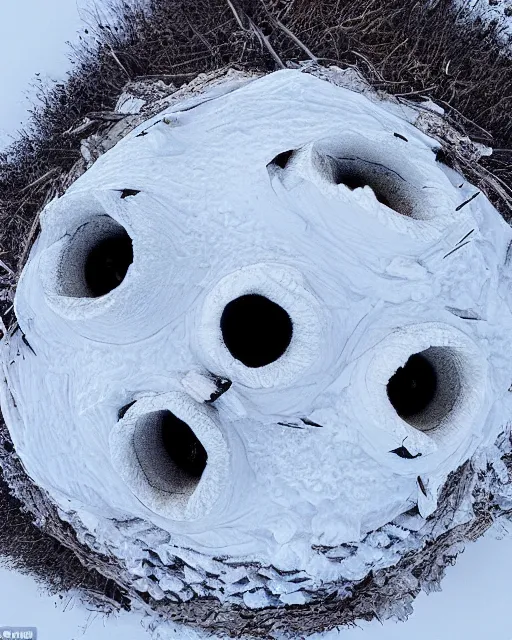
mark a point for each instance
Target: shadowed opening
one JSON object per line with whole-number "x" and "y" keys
{"x": 95, "y": 260}
{"x": 388, "y": 185}
{"x": 282, "y": 159}
{"x": 427, "y": 388}
{"x": 107, "y": 263}
{"x": 182, "y": 445}
{"x": 353, "y": 180}
{"x": 256, "y": 330}
{"x": 413, "y": 386}
{"x": 169, "y": 452}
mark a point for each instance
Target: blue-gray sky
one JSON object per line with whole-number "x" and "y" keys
{"x": 33, "y": 35}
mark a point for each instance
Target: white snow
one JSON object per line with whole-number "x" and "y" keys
{"x": 306, "y": 440}
{"x": 129, "y": 105}
{"x": 499, "y": 11}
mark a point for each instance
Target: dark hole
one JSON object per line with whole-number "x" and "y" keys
{"x": 283, "y": 158}
{"x": 413, "y": 386}
{"x": 356, "y": 181}
{"x": 107, "y": 263}
{"x": 256, "y": 330}
{"x": 182, "y": 445}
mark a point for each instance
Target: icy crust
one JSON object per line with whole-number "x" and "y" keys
{"x": 303, "y": 487}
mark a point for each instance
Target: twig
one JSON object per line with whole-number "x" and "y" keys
{"x": 370, "y": 65}
{"x": 108, "y": 116}
{"x": 8, "y": 269}
{"x": 289, "y": 424}
{"x": 296, "y": 40}
{"x": 191, "y": 61}
{"x": 88, "y": 124}
{"x": 264, "y": 40}
{"x": 456, "y": 248}
{"x": 467, "y": 201}
{"x": 42, "y": 179}
{"x": 160, "y": 76}
{"x": 493, "y": 106}
{"x": 466, "y": 236}
{"x": 509, "y": 253}
{"x": 447, "y": 104}
{"x": 113, "y": 54}
{"x": 500, "y": 187}
{"x": 398, "y": 46}
{"x": 28, "y": 242}
{"x": 235, "y": 13}
{"x": 310, "y": 423}
{"x": 417, "y": 92}
{"x": 24, "y": 338}
{"x": 3, "y": 328}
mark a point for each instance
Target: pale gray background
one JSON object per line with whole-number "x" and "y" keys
{"x": 476, "y": 601}
{"x": 33, "y": 35}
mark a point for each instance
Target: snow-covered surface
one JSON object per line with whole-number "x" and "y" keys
{"x": 499, "y": 11}
{"x": 366, "y": 288}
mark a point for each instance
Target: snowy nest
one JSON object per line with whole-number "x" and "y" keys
{"x": 447, "y": 467}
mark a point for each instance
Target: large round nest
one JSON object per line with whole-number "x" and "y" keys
{"x": 230, "y": 39}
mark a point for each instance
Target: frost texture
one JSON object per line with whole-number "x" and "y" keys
{"x": 332, "y": 205}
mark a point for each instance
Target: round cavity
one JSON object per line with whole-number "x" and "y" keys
{"x": 107, "y": 263}
{"x": 261, "y": 326}
{"x": 170, "y": 454}
{"x": 379, "y": 168}
{"x": 413, "y": 387}
{"x": 427, "y": 388}
{"x": 256, "y": 330}
{"x": 424, "y": 385}
{"x": 95, "y": 260}
{"x": 388, "y": 185}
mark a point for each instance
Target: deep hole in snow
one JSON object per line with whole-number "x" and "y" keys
{"x": 95, "y": 259}
{"x": 388, "y": 185}
{"x": 355, "y": 181}
{"x": 282, "y": 159}
{"x": 256, "y": 330}
{"x": 107, "y": 263}
{"x": 182, "y": 445}
{"x": 169, "y": 453}
{"x": 431, "y": 385}
{"x": 413, "y": 387}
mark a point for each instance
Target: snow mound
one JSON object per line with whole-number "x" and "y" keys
{"x": 259, "y": 334}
